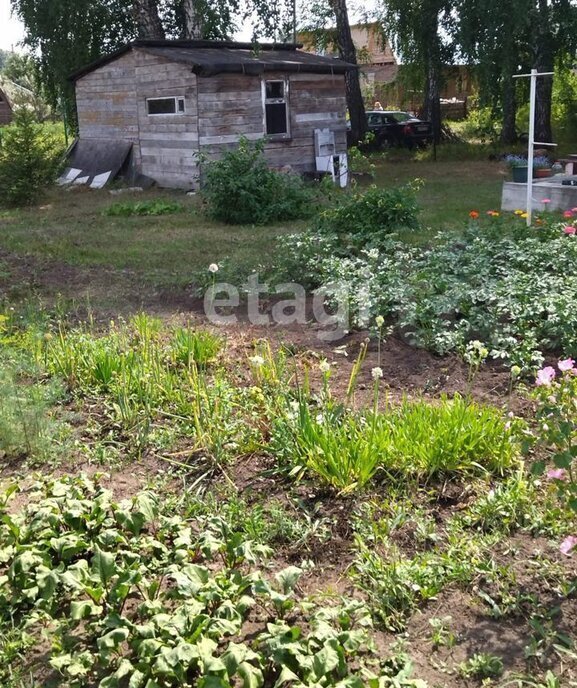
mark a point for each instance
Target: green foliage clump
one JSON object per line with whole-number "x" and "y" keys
{"x": 240, "y": 188}
{"x": 416, "y": 440}
{"x": 144, "y": 208}
{"x": 509, "y": 286}
{"x": 136, "y": 595}
{"x": 30, "y": 158}
{"x": 144, "y": 374}
{"x": 365, "y": 218}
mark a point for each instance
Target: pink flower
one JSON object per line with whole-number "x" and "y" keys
{"x": 557, "y": 474}
{"x": 570, "y": 229}
{"x": 545, "y": 376}
{"x": 567, "y": 213}
{"x": 567, "y": 364}
{"x": 546, "y": 200}
{"x": 574, "y": 210}
{"x": 568, "y": 544}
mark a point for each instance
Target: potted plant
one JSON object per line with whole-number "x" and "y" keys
{"x": 542, "y": 167}
{"x": 519, "y": 167}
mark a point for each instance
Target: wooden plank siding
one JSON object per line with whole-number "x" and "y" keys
{"x": 168, "y": 143}
{"x": 230, "y": 106}
{"x": 106, "y": 102}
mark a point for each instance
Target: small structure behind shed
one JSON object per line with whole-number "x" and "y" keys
{"x": 6, "y": 113}
{"x": 181, "y": 102}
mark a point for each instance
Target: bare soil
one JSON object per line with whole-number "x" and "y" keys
{"x": 107, "y": 293}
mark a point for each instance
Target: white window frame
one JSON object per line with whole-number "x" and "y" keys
{"x": 276, "y": 101}
{"x": 177, "y": 112}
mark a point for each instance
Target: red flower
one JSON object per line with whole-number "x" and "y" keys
{"x": 473, "y": 214}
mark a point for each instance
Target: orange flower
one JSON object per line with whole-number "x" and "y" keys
{"x": 473, "y": 214}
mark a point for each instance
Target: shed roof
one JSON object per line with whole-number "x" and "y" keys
{"x": 208, "y": 58}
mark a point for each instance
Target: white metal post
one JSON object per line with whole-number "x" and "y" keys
{"x": 531, "y": 152}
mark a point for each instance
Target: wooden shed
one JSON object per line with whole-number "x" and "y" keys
{"x": 175, "y": 100}
{"x": 5, "y": 109}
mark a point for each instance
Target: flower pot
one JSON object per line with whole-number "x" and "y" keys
{"x": 520, "y": 174}
{"x": 543, "y": 172}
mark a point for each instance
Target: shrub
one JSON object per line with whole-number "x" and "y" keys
{"x": 29, "y": 160}
{"x": 241, "y": 189}
{"x": 368, "y": 217}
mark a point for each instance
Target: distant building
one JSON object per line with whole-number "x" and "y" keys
{"x": 380, "y": 70}
{"x": 6, "y": 112}
{"x": 378, "y": 64}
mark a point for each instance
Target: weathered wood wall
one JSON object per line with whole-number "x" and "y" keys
{"x": 106, "y": 101}
{"x": 168, "y": 143}
{"x": 5, "y": 109}
{"x": 111, "y": 104}
{"x": 230, "y": 106}
{"x": 218, "y": 111}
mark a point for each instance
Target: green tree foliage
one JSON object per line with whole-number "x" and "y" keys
{"x": 20, "y": 69}
{"x": 502, "y": 38}
{"x": 29, "y": 160}
{"x": 421, "y": 32}
{"x": 4, "y": 55}
{"x": 66, "y": 34}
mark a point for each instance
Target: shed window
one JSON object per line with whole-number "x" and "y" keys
{"x": 165, "y": 106}
{"x": 276, "y": 111}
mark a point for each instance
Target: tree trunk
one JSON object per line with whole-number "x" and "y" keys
{"x": 509, "y": 130}
{"x": 509, "y": 95}
{"x": 193, "y": 19}
{"x": 432, "y": 59}
{"x": 544, "y": 62}
{"x": 348, "y": 53}
{"x": 148, "y": 22}
{"x": 432, "y": 102}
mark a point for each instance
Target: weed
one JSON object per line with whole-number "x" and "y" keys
{"x": 155, "y": 208}
{"x": 442, "y": 635}
{"x": 415, "y": 440}
{"x": 482, "y": 665}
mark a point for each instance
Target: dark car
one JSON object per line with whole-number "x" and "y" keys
{"x": 395, "y": 128}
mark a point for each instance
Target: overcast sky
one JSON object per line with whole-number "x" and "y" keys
{"x": 11, "y": 30}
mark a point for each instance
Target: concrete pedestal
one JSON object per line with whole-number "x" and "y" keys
{"x": 562, "y": 197}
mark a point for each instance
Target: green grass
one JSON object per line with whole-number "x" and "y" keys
{"x": 451, "y": 190}
{"x": 167, "y": 250}
{"x": 164, "y": 250}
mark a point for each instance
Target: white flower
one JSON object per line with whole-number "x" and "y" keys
{"x": 257, "y": 360}
{"x": 379, "y": 320}
{"x": 213, "y": 267}
{"x": 324, "y": 366}
{"x": 377, "y": 373}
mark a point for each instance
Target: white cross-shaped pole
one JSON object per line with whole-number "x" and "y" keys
{"x": 531, "y": 153}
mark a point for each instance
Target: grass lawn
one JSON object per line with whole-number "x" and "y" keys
{"x": 71, "y": 227}
{"x": 451, "y": 188}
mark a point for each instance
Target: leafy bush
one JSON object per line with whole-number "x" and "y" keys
{"x": 30, "y": 158}
{"x": 510, "y": 286}
{"x": 241, "y": 189}
{"x": 144, "y": 208}
{"x": 367, "y": 217}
